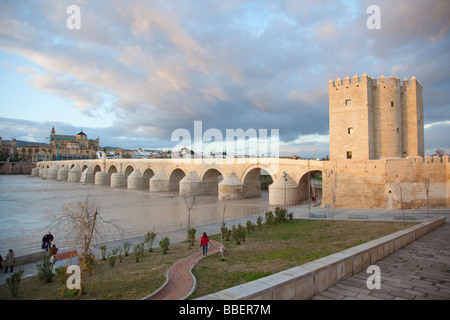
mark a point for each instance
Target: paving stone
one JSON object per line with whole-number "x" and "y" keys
{"x": 418, "y": 271}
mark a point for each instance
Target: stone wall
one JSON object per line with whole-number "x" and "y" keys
{"x": 309, "y": 279}
{"x": 16, "y": 168}
{"x": 386, "y": 184}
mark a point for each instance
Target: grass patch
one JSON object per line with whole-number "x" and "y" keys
{"x": 127, "y": 280}
{"x": 274, "y": 248}
{"x": 265, "y": 251}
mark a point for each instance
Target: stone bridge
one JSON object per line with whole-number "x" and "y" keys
{"x": 230, "y": 179}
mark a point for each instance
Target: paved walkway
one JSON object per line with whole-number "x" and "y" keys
{"x": 181, "y": 282}
{"x": 420, "y": 270}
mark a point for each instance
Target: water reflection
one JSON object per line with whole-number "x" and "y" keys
{"x": 28, "y": 205}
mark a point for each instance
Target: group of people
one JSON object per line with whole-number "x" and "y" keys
{"x": 46, "y": 245}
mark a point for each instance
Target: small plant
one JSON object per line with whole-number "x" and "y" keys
{"x": 226, "y": 233}
{"x": 238, "y": 233}
{"x": 270, "y": 219}
{"x": 164, "y": 244}
{"x": 14, "y": 282}
{"x": 149, "y": 237}
{"x": 138, "y": 252}
{"x": 290, "y": 215}
{"x": 61, "y": 274}
{"x": 191, "y": 236}
{"x": 259, "y": 222}
{"x": 103, "y": 252}
{"x": 250, "y": 226}
{"x": 45, "y": 270}
{"x": 112, "y": 258}
{"x": 126, "y": 248}
{"x": 120, "y": 255}
{"x": 280, "y": 214}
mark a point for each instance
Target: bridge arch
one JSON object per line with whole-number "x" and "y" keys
{"x": 112, "y": 169}
{"x": 310, "y": 185}
{"x": 251, "y": 180}
{"x": 128, "y": 170}
{"x": 174, "y": 179}
{"x": 147, "y": 175}
{"x": 211, "y": 178}
{"x": 97, "y": 168}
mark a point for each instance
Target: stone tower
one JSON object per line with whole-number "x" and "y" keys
{"x": 372, "y": 119}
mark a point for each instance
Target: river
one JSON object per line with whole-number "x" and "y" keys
{"x": 29, "y": 205}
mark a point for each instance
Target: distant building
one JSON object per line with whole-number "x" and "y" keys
{"x": 61, "y": 147}
{"x": 7, "y": 149}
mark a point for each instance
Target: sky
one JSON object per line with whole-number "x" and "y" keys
{"x": 133, "y": 72}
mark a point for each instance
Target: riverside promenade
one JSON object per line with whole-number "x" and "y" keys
{"x": 429, "y": 254}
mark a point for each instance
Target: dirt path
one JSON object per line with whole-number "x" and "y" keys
{"x": 181, "y": 282}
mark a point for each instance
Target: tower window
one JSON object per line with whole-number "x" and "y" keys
{"x": 392, "y": 103}
{"x": 350, "y": 130}
{"x": 349, "y": 154}
{"x": 348, "y": 102}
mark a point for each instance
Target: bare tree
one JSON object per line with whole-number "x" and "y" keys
{"x": 83, "y": 221}
{"x": 189, "y": 201}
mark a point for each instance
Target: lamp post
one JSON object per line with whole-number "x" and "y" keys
{"x": 285, "y": 180}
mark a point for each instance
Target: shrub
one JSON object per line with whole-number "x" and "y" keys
{"x": 126, "y": 248}
{"x": 138, "y": 252}
{"x": 45, "y": 270}
{"x": 259, "y": 221}
{"x": 249, "y": 225}
{"x": 191, "y": 236}
{"x": 62, "y": 276}
{"x": 164, "y": 244}
{"x": 112, "y": 257}
{"x": 280, "y": 214}
{"x": 149, "y": 237}
{"x": 103, "y": 251}
{"x": 270, "y": 219}
{"x": 226, "y": 233}
{"x": 238, "y": 233}
{"x": 14, "y": 281}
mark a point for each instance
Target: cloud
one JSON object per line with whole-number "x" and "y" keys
{"x": 152, "y": 67}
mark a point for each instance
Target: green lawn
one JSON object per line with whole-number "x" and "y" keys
{"x": 268, "y": 250}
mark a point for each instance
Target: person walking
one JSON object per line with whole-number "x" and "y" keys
{"x": 10, "y": 260}
{"x": 47, "y": 241}
{"x": 204, "y": 241}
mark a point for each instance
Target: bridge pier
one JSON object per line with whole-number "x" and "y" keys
{"x": 52, "y": 173}
{"x": 118, "y": 180}
{"x": 63, "y": 173}
{"x": 74, "y": 174}
{"x": 279, "y": 192}
{"x": 190, "y": 184}
{"x": 87, "y": 176}
{"x": 135, "y": 180}
{"x": 44, "y": 173}
{"x": 102, "y": 178}
{"x": 159, "y": 182}
{"x": 231, "y": 188}
{"x": 35, "y": 172}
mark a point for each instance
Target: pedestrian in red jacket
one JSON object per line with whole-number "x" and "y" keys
{"x": 204, "y": 243}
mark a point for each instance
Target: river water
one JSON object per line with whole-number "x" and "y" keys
{"x": 28, "y": 206}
